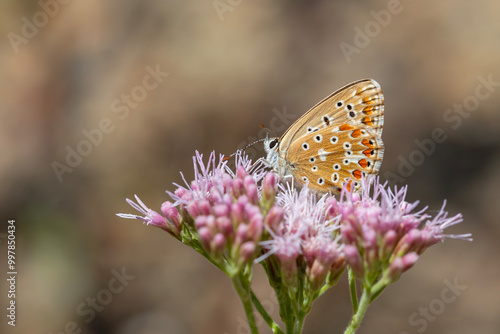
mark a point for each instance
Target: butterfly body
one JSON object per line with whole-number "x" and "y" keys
{"x": 336, "y": 141}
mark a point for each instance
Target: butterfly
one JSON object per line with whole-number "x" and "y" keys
{"x": 338, "y": 140}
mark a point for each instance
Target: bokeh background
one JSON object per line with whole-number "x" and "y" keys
{"x": 232, "y": 65}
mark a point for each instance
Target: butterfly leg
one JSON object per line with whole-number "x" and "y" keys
{"x": 286, "y": 177}
{"x": 259, "y": 161}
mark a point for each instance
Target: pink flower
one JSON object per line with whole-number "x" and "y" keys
{"x": 307, "y": 234}
{"x": 383, "y": 230}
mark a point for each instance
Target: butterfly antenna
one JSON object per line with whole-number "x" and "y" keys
{"x": 242, "y": 149}
{"x": 269, "y": 130}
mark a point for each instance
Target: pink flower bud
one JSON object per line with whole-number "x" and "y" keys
{"x": 221, "y": 210}
{"x": 172, "y": 216}
{"x": 353, "y": 259}
{"x": 349, "y": 235}
{"x": 237, "y": 188}
{"x": 388, "y": 243}
{"x": 241, "y": 234}
{"x": 289, "y": 270}
{"x": 255, "y": 227}
{"x": 247, "y": 252}
{"x": 332, "y": 209}
{"x": 248, "y": 180}
{"x": 269, "y": 187}
{"x": 227, "y": 181}
{"x": 218, "y": 243}
{"x": 214, "y": 195}
{"x": 251, "y": 211}
{"x": 183, "y": 193}
{"x": 225, "y": 226}
{"x": 309, "y": 250}
{"x": 156, "y": 219}
{"x": 409, "y": 260}
{"x": 411, "y": 241}
{"x": 401, "y": 264}
{"x": 252, "y": 194}
{"x": 371, "y": 247}
{"x": 205, "y": 237}
{"x": 317, "y": 274}
{"x": 395, "y": 269}
{"x": 237, "y": 213}
{"x": 193, "y": 210}
{"x": 211, "y": 223}
{"x": 241, "y": 172}
{"x": 200, "y": 221}
{"x": 204, "y": 207}
{"x": 273, "y": 217}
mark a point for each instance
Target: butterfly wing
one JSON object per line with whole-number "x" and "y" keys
{"x": 339, "y": 139}
{"x": 360, "y": 103}
{"x": 329, "y": 159}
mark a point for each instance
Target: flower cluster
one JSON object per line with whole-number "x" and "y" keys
{"x": 307, "y": 235}
{"x": 381, "y": 232}
{"x": 224, "y": 211}
{"x": 303, "y": 240}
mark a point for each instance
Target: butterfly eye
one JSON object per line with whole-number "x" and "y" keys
{"x": 273, "y": 143}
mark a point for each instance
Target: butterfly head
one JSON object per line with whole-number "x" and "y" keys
{"x": 271, "y": 146}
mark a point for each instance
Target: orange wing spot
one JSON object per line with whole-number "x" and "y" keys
{"x": 357, "y": 174}
{"x": 349, "y": 184}
{"x": 367, "y": 143}
{"x": 363, "y": 163}
{"x": 356, "y": 133}
{"x": 369, "y": 110}
{"x": 367, "y": 121}
{"x": 368, "y": 152}
{"x": 369, "y": 99}
{"x": 345, "y": 127}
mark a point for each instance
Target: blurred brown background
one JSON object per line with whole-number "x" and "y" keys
{"x": 67, "y": 67}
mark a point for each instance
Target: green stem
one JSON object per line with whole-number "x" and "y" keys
{"x": 285, "y": 304}
{"x": 267, "y": 318}
{"x": 299, "y": 324}
{"x": 377, "y": 289}
{"x": 364, "y": 302}
{"x": 243, "y": 291}
{"x": 354, "y": 294}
